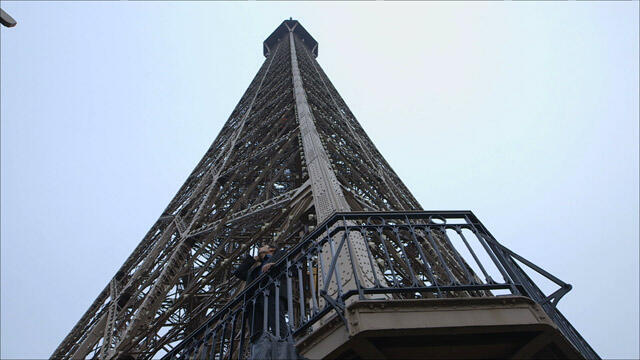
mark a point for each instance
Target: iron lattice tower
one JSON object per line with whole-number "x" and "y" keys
{"x": 290, "y": 146}
{"x": 289, "y": 157}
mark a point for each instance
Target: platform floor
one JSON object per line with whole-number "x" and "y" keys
{"x": 457, "y": 328}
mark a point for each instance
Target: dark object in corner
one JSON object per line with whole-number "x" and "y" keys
{"x": 6, "y": 19}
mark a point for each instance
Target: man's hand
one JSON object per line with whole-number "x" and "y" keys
{"x": 266, "y": 267}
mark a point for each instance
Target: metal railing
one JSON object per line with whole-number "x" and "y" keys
{"x": 400, "y": 255}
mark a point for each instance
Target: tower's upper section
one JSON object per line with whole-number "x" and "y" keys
{"x": 279, "y": 33}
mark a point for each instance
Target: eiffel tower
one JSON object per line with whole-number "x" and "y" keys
{"x": 369, "y": 274}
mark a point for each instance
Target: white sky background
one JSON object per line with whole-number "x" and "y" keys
{"x": 525, "y": 113}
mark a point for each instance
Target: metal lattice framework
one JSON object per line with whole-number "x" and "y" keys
{"x": 290, "y": 156}
{"x": 264, "y": 178}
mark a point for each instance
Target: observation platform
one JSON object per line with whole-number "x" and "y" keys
{"x": 512, "y": 327}
{"x": 433, "y": 284}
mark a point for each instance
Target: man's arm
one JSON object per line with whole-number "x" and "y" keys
{"x": 242, "y": 271}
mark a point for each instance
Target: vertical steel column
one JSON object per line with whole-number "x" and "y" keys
{"x": 327, "y": 194}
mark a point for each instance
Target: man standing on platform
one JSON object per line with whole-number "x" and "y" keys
{"x": 265, "y": 343}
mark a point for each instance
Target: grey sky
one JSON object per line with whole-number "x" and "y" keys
{"x": 525, "y": 113}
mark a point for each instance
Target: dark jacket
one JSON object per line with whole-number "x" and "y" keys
{"x": 248, "y": 271}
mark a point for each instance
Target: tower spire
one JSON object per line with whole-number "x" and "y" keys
{"x": 281, "y": 32}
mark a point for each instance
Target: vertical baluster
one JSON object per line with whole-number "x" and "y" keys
{"x": 202, "y": 353}
{"x": 507, "y": 267}
{"x": 265, "y": 318}
{"x": 372, "y": 263}
{"x": 184, "y": 352}
{"x": 425, "y": 261}
{"x": 301, "y": 292}
{"x": 489, "y": 251}
{"x": 352, "y": 260}
{"x": 334, "y": 263}
{"x": 414, "y": 280}
{"x": 222, "y": 337}
{"x": 321, "y": 262}
{"x": 487, "y": 277}
{"x": 312, "y": 284}
{"x": 233, "y": 330}
{"x": 242, "y": 326}
{"x": 457, "y": 256}
{"x": 197, "y": 350}
{"x": 190, "y": 349}
{"x": 214, "y": 336}
{"x": 205, "y": 346}
{"x": 253, "y": 314}
{"x": 386, "y": 255}
{"x": 452, "y": 278}
{"x": 290, "y": 296}
{"x": 276, "y": 315}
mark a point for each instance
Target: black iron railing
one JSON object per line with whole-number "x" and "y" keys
{"x": 393, "y": 255}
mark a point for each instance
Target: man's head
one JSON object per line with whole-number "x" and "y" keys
{"x": 266, "y": 249}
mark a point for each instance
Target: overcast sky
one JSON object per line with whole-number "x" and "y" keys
{"x": 525, "y": 113}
